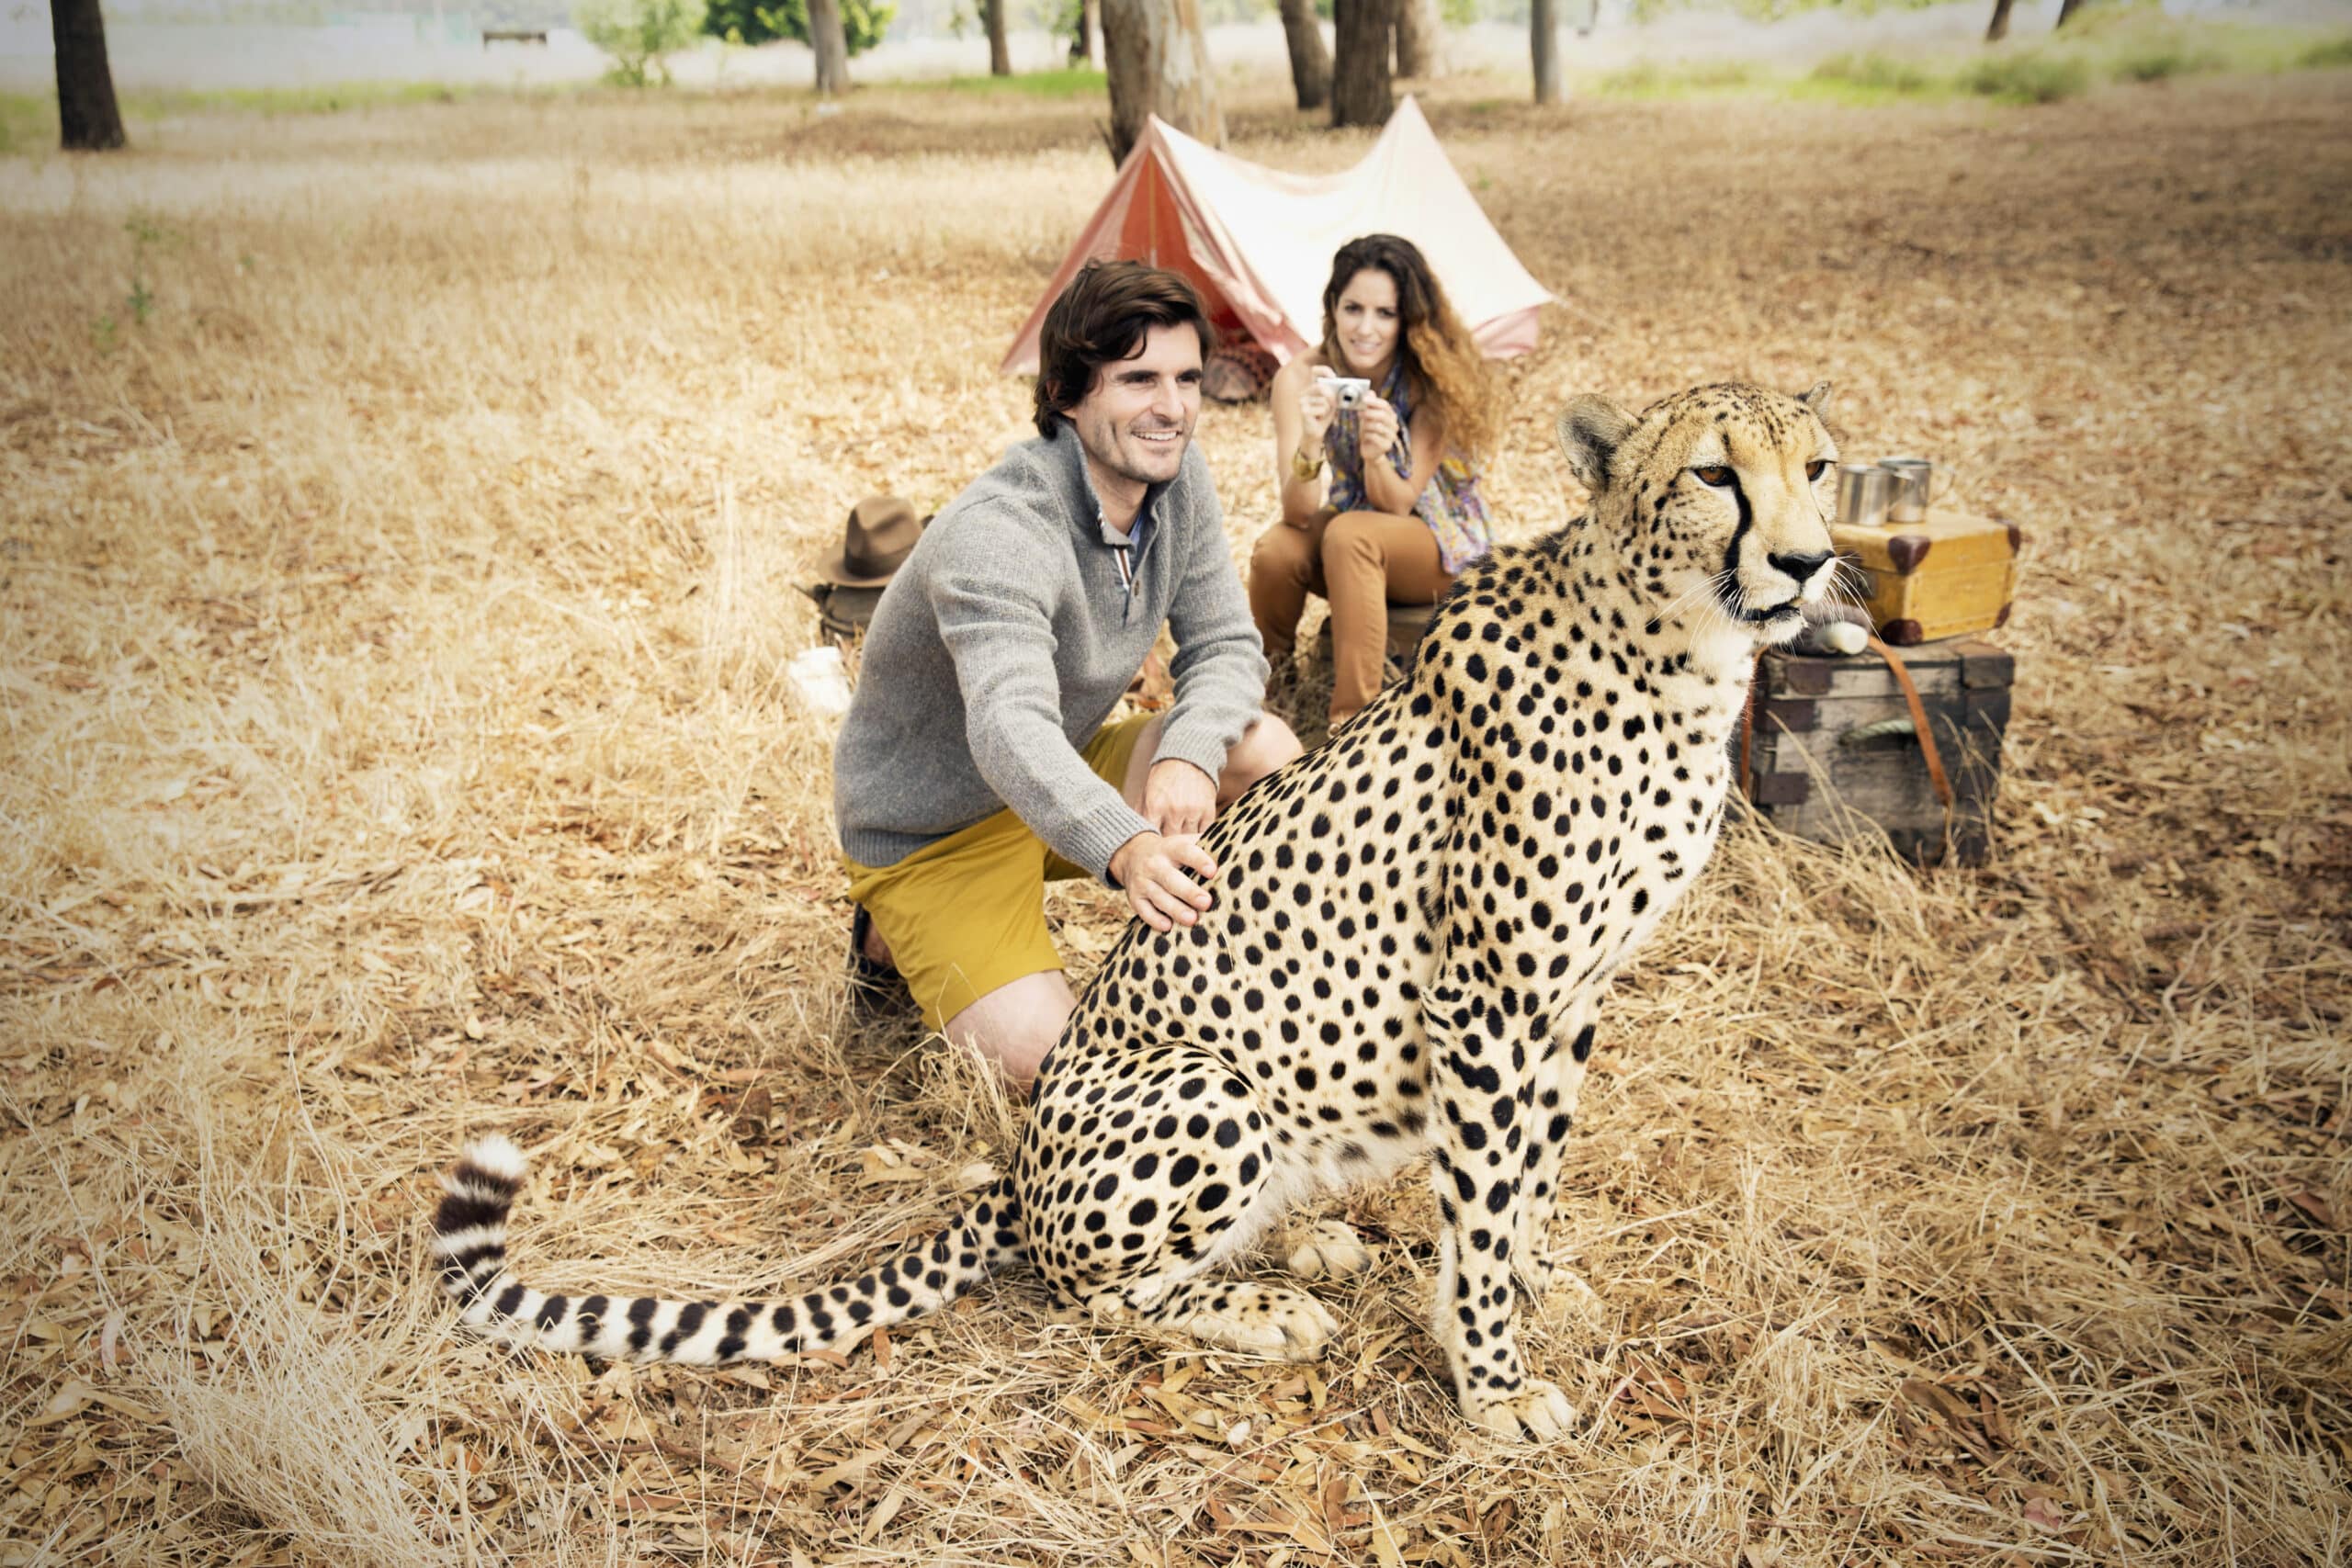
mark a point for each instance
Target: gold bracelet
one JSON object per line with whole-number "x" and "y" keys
{"x": 1300, "y": 468}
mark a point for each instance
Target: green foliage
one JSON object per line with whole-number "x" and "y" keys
{"x": 2158, "y": 63}
{"x": 639, "y": 34}
{"x": 1639, "y": 80}
{"x": 2334, "y": 52}
{"x": 1717, "y": 74}
{"x": 326, "y": 98}
{"x": 1877, "y": 73}
{"x": 1457, "y": 13}
{"x": 26, "y": 120}
{"x": 1073, "y": 82}
{"x": 1767, "y": 10}
{"x": 1648, "y": 79}
{"x": 747, "y": 21}
{"x": 147, "y": 236}
{"x": 2026, "y": 78}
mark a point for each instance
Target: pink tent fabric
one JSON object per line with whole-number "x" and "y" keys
{"x": 1257, "y": 243}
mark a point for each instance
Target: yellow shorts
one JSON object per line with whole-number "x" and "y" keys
{"x": 967, "y": 914}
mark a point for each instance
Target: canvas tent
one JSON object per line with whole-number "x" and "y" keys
{"x": 1259, "y": 243}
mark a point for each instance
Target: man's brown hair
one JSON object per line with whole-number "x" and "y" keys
{"x": 1102, "y": 317}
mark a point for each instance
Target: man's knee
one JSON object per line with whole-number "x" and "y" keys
{"x": 1014, "y": 1025}
{"x": 1266, "y": 745}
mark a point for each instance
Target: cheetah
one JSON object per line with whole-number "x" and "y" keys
{"x": 1412, "y": 928}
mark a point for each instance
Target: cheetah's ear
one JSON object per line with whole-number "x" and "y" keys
{"x": 1589, "y": 429}
{"x": 1818, "y": 399}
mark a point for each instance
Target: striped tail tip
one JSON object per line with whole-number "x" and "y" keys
{"x": 469, "y": 1227}
{"x": 495, "y": 1156}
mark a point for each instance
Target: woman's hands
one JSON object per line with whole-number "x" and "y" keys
{"x": 1377, "y": 428}
{"x": 1314, "y": 408}
{"x": 1318, "y": 405}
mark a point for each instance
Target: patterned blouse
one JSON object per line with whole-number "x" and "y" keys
{"x": 1450, "y": 506}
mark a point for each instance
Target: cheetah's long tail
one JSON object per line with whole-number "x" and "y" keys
{"x": 469, "y": 1240}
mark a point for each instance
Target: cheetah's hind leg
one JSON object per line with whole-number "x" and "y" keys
{"x": 1328, "y": 1249}
{"x": 1233, "y": 1315}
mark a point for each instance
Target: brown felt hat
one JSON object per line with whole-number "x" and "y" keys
{"x": 881, "y": 530}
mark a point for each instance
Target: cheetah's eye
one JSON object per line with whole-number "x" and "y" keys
{"x": 1815, "y": 468}
{"x": 1714, "y": 474}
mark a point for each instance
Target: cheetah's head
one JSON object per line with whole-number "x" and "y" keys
{"x": 1719, "y": 499}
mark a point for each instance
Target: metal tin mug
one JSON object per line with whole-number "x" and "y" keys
{"x": 1865, "y": 492}
{"x": 1912, "y": 474}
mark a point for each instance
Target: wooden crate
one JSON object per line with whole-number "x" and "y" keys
{"x": 1947, "y": 576}
{"x": 1833, "y": 752}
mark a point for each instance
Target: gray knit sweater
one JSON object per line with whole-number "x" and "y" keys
{"x": 1006, "y": 640}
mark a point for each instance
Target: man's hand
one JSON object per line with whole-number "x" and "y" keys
{"x": 1152, "y": 869}
{"x": 1178, "y": 798}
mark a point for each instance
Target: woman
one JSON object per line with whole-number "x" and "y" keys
{"x": 1399, "y": 514}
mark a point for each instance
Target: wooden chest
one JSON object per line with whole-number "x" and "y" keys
{"x": 1947, "y": 576}
{"x": 1832, "y": 750}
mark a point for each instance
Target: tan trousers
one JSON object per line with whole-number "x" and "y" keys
{"x": 1361, "y": 562}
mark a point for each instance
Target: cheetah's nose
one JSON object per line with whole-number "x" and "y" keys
{"x": 1800, "y": 564}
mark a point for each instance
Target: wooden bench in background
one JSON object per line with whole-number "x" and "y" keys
{"x": 513, "y": 35}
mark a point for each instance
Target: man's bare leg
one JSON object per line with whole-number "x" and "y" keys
{"x": 1016, "y": 1024}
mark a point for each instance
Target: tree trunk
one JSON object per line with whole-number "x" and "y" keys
{"x": 1000, "y": 52}
{"x": 2000, "y": 27}
{"x": 1544, "y": 43}
{"x": 1158, "y": 61}
{"x": 826, "y": 38}
{"x": 2067, "y": 9}
{"x": 1310, "y": 62}
{"x": 1090, "y": 25}
{"x": 1361, "y": 32}
{"x": 1416, "y": 38}
{"x": 88, "y": 120}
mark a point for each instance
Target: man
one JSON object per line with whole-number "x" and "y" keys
{"x": 976, "y": 764}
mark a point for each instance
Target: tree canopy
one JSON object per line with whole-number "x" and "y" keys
{"x": 747, "y": 21}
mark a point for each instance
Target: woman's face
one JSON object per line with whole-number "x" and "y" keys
{"x": 1366, "y": 318}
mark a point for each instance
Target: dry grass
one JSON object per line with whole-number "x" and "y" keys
{"x": 396, "y": 749}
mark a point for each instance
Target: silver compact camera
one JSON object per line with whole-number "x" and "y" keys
{"x": 1351, "y": 390}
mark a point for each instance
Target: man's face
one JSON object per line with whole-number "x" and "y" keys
{"x": 1137, "y": 420}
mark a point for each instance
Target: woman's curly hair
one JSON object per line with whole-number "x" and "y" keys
{"x": 1444, "y": 372}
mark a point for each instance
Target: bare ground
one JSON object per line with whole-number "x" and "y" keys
{"x": 402, "y": 514}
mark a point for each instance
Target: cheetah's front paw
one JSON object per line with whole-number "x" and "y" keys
{"x": 1328, "y": 1250}
{"x": 1538, "y": 1412}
